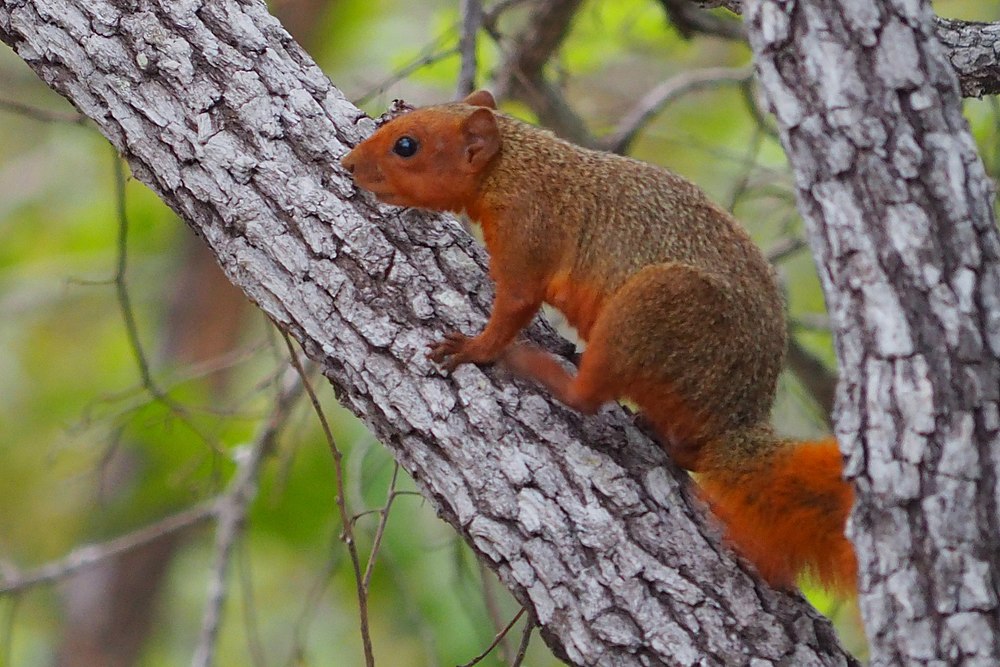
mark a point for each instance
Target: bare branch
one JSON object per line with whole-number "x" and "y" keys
{"x": 231, "y": 510}
{"x": 522, "y": 649}
{"x": 92, "y": 554}
{"x": 42, "y": 115}
{"x": 815, "y": 376}
{"x": 493, "y": 607}
{"x": 496, "y": 640}
{"x": 432, "y": 53}
{"x": 972, "y": 48}
{"x": 347, "y": 534}
{"x": 383, "y": 518}
{"x": 691, "y": 20}
{"x": 785, "y": 248}
{"x": 543, "y": 34}
{"x": 522, "y": 75}
{"x": 472, "y": 20}
{"x": 492, "y": 15}
{"x": 657, "y": 99}
{"x": 120, "y": 282}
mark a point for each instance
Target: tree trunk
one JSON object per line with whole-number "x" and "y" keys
{"x": 229, "y": 121}
{"x": 900, "y": 217}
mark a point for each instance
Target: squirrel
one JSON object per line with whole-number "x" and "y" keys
{"x": 680, "y": 311}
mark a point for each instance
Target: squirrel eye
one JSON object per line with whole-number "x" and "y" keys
{"x": 405, "y": 146}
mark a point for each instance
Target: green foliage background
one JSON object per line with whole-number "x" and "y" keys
{"x": 70, "y": 390}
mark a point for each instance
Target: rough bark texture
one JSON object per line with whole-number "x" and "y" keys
{"x": 972, "y": 48}
{"x": 900, "y": 217}
{"x": 217, "y": 109}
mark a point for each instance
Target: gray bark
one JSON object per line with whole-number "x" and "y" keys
{"x": 229, "y": 121}
{"x": 900, "y": 217}
{"x": 972, "y": 48}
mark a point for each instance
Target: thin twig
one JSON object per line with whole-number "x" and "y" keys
{"x": 785, "y": 248}
{"x": 231, "y": 510}
{"x": 254, "y": 646}
{"x": 659, "y": 97}
{"x": 764, "y": 121}
{"x": 380, "y": 530}
{"x": 493, "y": 607}
{"x": 815, "y": 376}
{"x": 395, "y": 494}
{"x": 92, "y": 554}
{"x": 345, "y": 516}
{"x": 522, "y": 649}
{"x": 496, "y": 640}
{"x": 431, "y": 54}
{"x": 493, "y": 14}
{"x": 472, "y": 21}
{"x": 42, "y": 115}
{"x": 743, "y": 184}
{"x": 120, "y": 282}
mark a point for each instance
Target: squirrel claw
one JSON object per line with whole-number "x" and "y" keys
{"x": 448, "y": 352}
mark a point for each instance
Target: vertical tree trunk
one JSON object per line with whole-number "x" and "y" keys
{"x": 900, "y": 218}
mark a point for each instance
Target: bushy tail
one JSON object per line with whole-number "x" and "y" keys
{"x": 787, "y": 512}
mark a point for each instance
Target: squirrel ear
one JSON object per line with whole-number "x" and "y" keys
{"x": 481, "y": 98}
{"x": 482, "y": 138}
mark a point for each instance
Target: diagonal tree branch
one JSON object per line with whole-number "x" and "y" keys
{"x": 620, "y": 140}
{"x": 690, "y": 20}
{"x": 972, "y": 48}
{"x": 230, "y": 122}
{"x": 12, "y": 581}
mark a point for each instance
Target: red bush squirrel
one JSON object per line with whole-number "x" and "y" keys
{"x": 679, "y": 308}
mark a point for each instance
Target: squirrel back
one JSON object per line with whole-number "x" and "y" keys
{"x": 679, "y": 308}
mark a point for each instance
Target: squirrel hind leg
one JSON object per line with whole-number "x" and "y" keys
{"x": 593, "y": 385}
{"x": 674, "y": 340}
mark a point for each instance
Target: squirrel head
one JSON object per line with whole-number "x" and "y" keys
{"x": 434, "y": 157}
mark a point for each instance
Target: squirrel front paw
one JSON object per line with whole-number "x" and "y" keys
{"x": 456, "y": 349}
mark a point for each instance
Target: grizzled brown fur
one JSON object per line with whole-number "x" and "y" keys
{"x": 679, "y": 308}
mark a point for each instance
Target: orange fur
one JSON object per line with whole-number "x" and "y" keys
{"x": 789, "y": 517}
{"x": 679, "y": 309}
